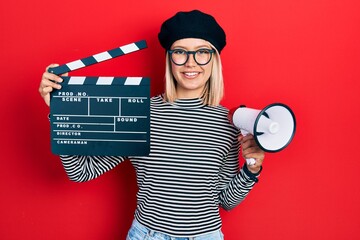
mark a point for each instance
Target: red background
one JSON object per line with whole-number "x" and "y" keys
{"x": 303, "y": 53}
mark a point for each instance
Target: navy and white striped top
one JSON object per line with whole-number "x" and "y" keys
{"x": 192, "y": 168}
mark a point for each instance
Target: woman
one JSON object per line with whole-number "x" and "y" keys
{"x": 192, "y": 168}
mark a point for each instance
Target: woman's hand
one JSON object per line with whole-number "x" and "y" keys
{"x": 251, "y": 150}
{"x": 48, "y": 82}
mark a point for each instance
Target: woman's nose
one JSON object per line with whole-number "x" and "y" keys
{"x": 191, "y": 61}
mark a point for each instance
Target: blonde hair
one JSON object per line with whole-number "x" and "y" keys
{"x": 214, "y": 88}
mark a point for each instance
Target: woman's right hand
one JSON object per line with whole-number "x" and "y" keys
{"x": 49, "y": 81}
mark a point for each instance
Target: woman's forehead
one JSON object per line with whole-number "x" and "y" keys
{"x": 191, "y": 43}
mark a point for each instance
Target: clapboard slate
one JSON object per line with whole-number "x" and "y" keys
{"x": 101, "y": 116}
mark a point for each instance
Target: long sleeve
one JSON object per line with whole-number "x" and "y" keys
{"x": 85, "y": 168}
{"x": 235, "y": 184}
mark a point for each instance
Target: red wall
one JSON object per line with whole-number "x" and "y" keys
{"x": 302, "y": 53}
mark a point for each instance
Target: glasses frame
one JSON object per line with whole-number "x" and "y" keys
{"x": 212, "y": 51}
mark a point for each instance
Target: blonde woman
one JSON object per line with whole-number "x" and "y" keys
{"x": 193, "y": 165}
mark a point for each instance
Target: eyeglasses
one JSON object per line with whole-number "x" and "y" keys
{"x": 180, "y": 57}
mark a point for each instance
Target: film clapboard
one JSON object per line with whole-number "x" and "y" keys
{"x": 103, "y": 116}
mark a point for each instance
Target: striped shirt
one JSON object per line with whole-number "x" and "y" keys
{"x": 191, "y": 170}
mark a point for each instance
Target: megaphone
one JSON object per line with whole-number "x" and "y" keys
{"x": 273, "y": 127}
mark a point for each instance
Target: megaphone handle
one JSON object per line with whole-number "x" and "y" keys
{"x": 249, "y": 161}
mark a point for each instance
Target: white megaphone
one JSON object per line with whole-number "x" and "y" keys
{"x": 273, "y": 127}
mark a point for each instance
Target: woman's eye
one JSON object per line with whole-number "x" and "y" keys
{"x": 203, "y": 51}
{"x": 179, "y": 52}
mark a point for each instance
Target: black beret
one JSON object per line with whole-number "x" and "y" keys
{"x": 193, "y": 24}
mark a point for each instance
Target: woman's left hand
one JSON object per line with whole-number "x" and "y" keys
{"x": 251, "y": 150}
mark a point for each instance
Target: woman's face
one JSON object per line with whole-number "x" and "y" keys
{"x": 191, "y": 78}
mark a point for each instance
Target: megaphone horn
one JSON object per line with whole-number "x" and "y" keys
{"x": 273, "y": 127}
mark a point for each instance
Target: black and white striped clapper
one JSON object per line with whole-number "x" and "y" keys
{"x": 100, "y": 57}
{"x": 101, "y": 116}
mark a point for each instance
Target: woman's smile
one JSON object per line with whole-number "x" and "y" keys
{"x": 191, "y": 75}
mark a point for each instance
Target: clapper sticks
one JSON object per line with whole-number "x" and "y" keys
{"x": 101, "y": 115}
{"x": 100, "y": 57}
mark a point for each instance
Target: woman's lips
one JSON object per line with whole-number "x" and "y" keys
{"x": 191, "y": 74}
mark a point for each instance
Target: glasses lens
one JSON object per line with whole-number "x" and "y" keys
{"x": 203, "y": 56}
{"x": 179, "y": 56}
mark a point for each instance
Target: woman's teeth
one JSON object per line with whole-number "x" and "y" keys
{"x": 190, "y": 74}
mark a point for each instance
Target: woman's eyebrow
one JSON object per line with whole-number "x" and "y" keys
{"x": 197, "y": 47}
